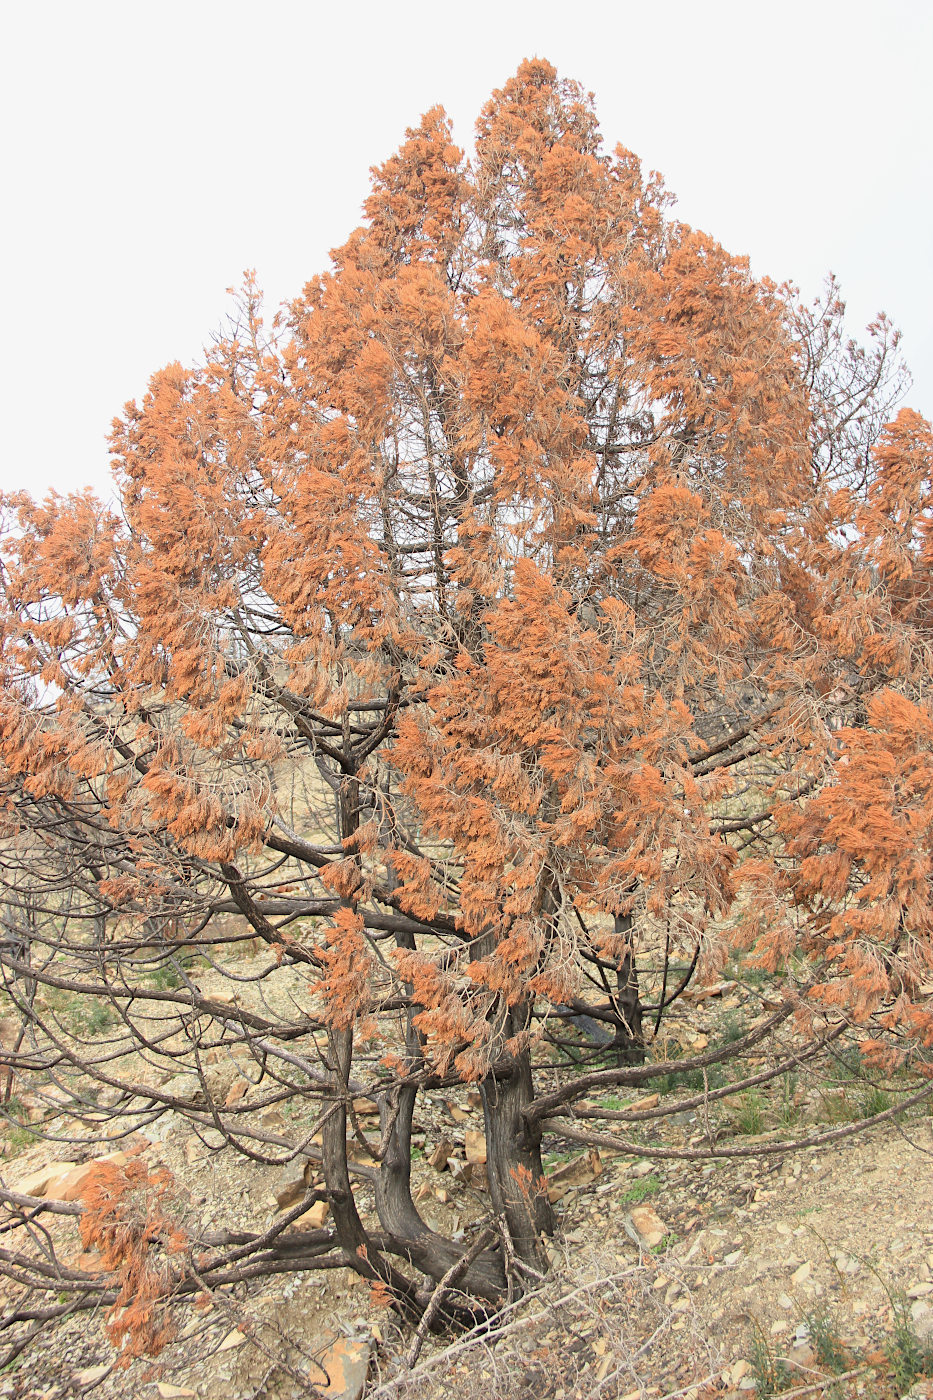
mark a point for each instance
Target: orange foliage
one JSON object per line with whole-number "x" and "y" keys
{"x": 124, "y": 1220}
{"x": 518, "y": 529}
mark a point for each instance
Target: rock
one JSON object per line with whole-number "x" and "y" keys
{"x": 346, "y": 1364}
{"x": 920, "y": 1290}
{"x": 649, "y": 1101}
{"x": 233, "y": 1339}
{"x": 923, "y": 1327}
{"x": 649, "y": 1226}
{"x": 185, "y": 1087}
{"x": 475, "y": 1146}
{"x": 801, "y": 1275}
{"x": 195, "y": 1150}
{"x": 578, "y": 1172}
{"x": 237, "y": 1091}
{"x": 738, "y": 1370}
{"x": 785, "y": 1301}
{"x": 93, "y": 1375}
{"x": 313, "y": 1218}
{"x": 174, "y": 1392}
{"x": 88, "y": 1261}
{"x": 71, "y": 1186}
{"x": 438, "y": 1158}
{"x": 365, "y": 1108}
{"x": 641, "y": 1168}
{"x": 291, "y": 1184}
{"x": 458, "y": 1114}
{"x": 38, "y": 1182}
{"x": 918, "y": 1309}
{"x": 64, "y": 1181}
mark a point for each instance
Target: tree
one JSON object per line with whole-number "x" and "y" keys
{"x": 538, "y": 599}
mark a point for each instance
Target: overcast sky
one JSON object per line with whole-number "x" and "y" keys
{"x": 152, "y": 151}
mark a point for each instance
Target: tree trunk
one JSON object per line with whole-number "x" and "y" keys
{"x": 410, "y": 1236}
{"x": 513, "y": 1160}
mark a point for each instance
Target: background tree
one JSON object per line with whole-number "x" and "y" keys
{"x": 538, "y": 598}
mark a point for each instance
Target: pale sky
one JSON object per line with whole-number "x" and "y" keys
{"x": 153, "y": 151}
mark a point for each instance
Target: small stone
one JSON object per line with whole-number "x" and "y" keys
{"x": 733, "y": 1258}
{"x": 346, "y": 1364}
{"x": 233, "y": 1339}
{"x": 649, "y": 1101}
{"x": 739, "y": 1369}
{"x": 650, "y": 1227}
{"x": 313, "y": 1218}
{"x": 185, "y": 1087}
{"x": 641, "y": 1168}
{"x": 778, "y": 1327}
{"x": 93, "y": 1374}
{"x": 438, "y": 1158}
{"x": 920, "y": 1290}
{"x": 923, "y": 1327}
{"x": 801, "y": 1275}
{"x": 195, "y": 1150}
{"x": 365, "y": 1108}
{"x": 174, "y": 1392}
{"x": 475, "y": 1144}
{"x": 237, "y": 1091}
{"x": 291, "y": 1184}
{"x": 785, "y": 1301}
{"x": 803, "y": 1356}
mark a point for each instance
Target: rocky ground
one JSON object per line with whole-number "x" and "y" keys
{"x": 667, "y": 1278}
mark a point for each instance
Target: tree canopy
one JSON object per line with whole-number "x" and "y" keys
{"x": 532, "y": 617}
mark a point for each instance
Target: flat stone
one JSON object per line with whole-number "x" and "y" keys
{"x": 650, "y": 1227}
{"x": 649, "y": 1101}
{"x": 38, "y": 1182}
{"x": 440, "y": 1154}
{"x": 185, "y": 1087}
{"x": 475, "y": 1145}
{"x": 313, "y": 1218}
{"x": 346, "y": 1364}
{"x": 291, "y": 1184}
{"x": 93, "y": 1374}
{"x": 365, "y": 1108}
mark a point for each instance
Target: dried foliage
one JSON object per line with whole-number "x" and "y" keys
{"x": 534, "y": 615}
